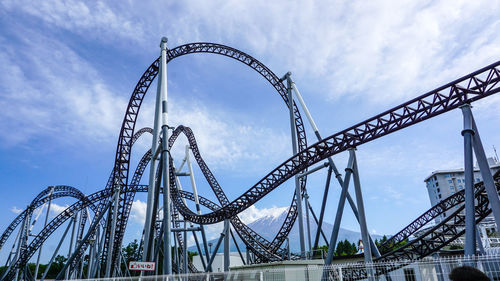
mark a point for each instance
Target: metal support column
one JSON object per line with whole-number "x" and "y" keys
{"x": 114, "y": 218}
{"x": 480, "y": 245}
{"x": 470, "y": 222}
{"x": 323, "y": 205}
{"x": 340, "y": 209}
{"x": 317, "y": 223}
{"x": 197, "y": 202}
{"x": 71, "y": 241}
{"x": 298, "y": 192}
{"x": 92, "y": 228}
{"x": 248, "y": 256}
{"x": 167, "y": 257}
{"x": 226, "y": 245}
{"x": 330, "y": 161}
{"x": 91, "y": 257}
{"x": 184, "y": 251}
{"x": 56, "y": 251}
{"x": 308, "y": 227}
{"x": 44, "y": 225}
{"x": 18, "y": 249}
{"x": 150, "y": 211}
{"x": 489, "y": 183}
{"x": 365, "y": 236}
{"x": 288, "y": 250}
{"x": 211, "y": 260}
{"x": 237, "y": 247}
{"x": 202, "y": 259}
{"x": 23, "y": 239}
{"x": 176, "y": 258}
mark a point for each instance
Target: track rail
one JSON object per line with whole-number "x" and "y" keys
{"x": 470, "y": 88}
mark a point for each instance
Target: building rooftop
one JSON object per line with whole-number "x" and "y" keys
{"x": 493, "y": 162}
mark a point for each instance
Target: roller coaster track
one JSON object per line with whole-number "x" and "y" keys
{"x": 40, "y": 199}
{"x": 432, "y": 240}
{"x": 263, "y": 248}
{"x": 470, "y": 88}
{"x": 465, "y": 90}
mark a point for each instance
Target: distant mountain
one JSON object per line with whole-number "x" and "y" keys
{"x": 268, "y": 226}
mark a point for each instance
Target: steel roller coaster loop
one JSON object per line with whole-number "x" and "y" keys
{"x": 122, "y": 158}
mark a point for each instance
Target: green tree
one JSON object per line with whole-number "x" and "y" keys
{"x": 389, "y": 246}
{"x": 191, "y": 255}
{"x": 130, "y": 251}
{"x": 60, "y": 260}
{"x": 345, "y": 248}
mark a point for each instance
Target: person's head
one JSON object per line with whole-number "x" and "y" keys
{"x": 467, "y": 273}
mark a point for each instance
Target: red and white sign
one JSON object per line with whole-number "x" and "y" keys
{"x": 142, "y": 265}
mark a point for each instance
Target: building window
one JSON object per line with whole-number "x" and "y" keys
{"x": 458, "y": 180}
{"x": 478, "y": 179}
{"x": 450, "y": 181}
{"x": 438, "y": 190}
{"x": 437, "y": 183}
{"x": 409, "y": 274}
{"x": 439, "y": 196}
{"x": 435, "y": 178}
{"x": 460, "y": 187}
{"x": 447, "y": 175}
{"x": 452, "y": 187}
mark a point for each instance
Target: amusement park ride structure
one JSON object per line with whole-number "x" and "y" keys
{"x": 98, "y": 221}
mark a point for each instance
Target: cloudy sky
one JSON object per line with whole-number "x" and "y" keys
{"x": 68, "y": 69}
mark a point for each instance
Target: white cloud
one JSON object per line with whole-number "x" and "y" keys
{"x": 56, "y": 209}
{"x": 138, "y": 212}
{"x": 59, "y": 93}
{"x": 56, "y": 92}
{"x": 16, "y": 210}
{"x": 253, "y": 213}
{"x": 227, "y": 144}
{"x": 380, "y": 50}
{"x": 95, "y": 19}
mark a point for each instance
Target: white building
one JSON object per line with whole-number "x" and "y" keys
{"x": 443, "y": 183}
{"x": 218, "y": 263}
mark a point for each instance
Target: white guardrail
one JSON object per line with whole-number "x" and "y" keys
{"x": 429, "y": 269}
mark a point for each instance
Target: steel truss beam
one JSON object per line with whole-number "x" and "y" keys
{"x": 475, "y": 86}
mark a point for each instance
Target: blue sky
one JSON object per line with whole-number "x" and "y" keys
{"x": 68, "y": 69}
